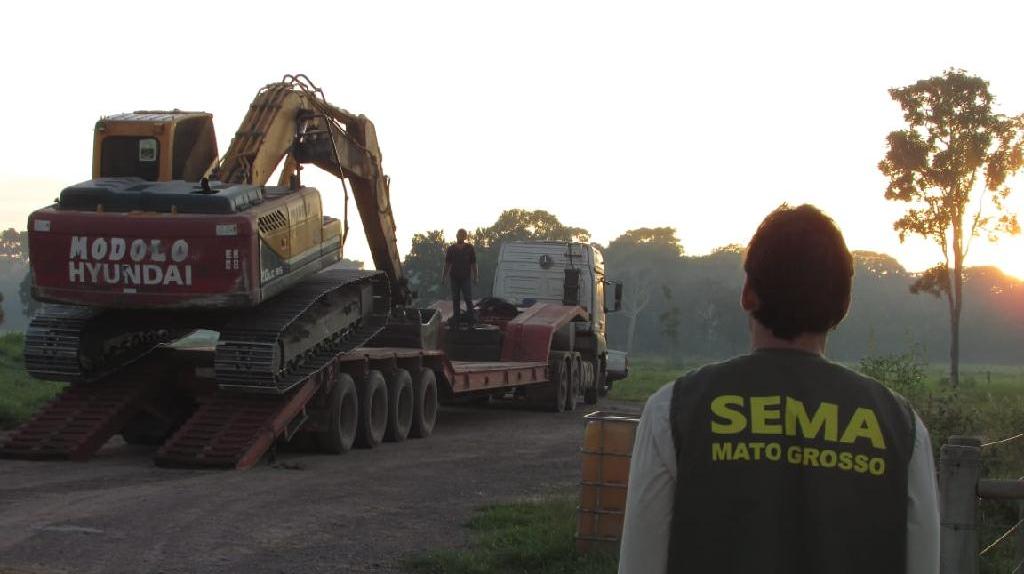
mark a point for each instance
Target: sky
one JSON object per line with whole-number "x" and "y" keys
{"x": 699, "y": 116}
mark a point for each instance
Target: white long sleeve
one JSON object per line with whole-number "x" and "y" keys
{"x": 652, "y": 483}
{"x": 922, "y": 507}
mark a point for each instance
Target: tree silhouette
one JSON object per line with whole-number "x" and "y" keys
{"x": 13, "y": 244}
{"x": 635, "y": 298}
{"x": 661, "y": 239}
{"x": 670, "y": 321}
{"x": 527, "y": 225}
{"x": 424, "y": 265}
{"x": 645, "y": 257}
{"x": 951, "y": 165}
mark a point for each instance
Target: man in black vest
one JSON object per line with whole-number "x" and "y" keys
{"x": 779, "y": 461}
{"x": 460, "y": 266}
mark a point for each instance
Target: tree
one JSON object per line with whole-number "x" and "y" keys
{"x": 644, "y": 257}
{"x": 720, "y": 326}
{"x": 13, "y": 244}
{"x": 662, "y": 239}
{"x": 877, "y": 264}
{"x": 951, "y": 165}
{"x": 670, "y": 321}
{"x": 527, "y": 225}
{"x": 517, "y": 225}
{"x": 424, "y": 265}
{"x": 635, "y": 297}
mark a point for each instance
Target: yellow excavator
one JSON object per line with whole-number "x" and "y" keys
{"x": 167, "y": 238}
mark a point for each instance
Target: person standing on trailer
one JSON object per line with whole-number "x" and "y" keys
{"x": 460, "y": 267}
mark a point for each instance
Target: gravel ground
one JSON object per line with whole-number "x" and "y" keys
{"x": 360, "y": 512}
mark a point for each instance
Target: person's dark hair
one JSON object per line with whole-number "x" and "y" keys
{"x": 798, "y": 265}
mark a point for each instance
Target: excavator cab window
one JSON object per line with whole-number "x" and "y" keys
{"x": 195, "y": 148}
{"x": 130, "y": 156}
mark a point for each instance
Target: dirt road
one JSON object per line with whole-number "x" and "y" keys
{"x": 358, "y": 512}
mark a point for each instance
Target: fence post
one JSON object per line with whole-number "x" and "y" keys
{"x": 959, "y": 470}
{"x": 1019, "y": 552}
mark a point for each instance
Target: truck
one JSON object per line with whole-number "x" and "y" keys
{"x": 168, "y": 239}
{"x": 564, "y": 273}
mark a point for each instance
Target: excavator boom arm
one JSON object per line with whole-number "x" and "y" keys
{"x": 291, "y": 121}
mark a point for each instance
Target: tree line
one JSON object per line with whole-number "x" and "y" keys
{"x": 686, "y": 307}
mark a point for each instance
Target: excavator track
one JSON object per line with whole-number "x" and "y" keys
{"x": 75, "y": 344}
{"x": 266, "y": 350}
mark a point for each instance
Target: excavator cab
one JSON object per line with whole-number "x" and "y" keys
{"x": 155, "y": 146}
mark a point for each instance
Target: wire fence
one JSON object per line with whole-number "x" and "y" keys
{"x": 1004, "y": 441}
{"x": 976, "y": 508}
{"x": 999, "y": 540}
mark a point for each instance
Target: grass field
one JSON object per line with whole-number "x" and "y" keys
{"x": 647, "y": 375}
{"x": 978, "y": 381}
{"x": 20, "y": 395}
{"x": 532, "y": 536}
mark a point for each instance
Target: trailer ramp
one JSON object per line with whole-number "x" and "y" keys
{"x": 232, "y": 429}
{"x": 83, "y": 417}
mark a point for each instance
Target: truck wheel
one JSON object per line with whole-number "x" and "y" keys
{"x": 589, "y": 383}
{"x": 400, "y": 402}
{"x": 601, "y": 381}
{"x": 373, "y": 410}
{"x": 558, "y": 388}
{"x": 575, "y": 379}
{"x": 424, "y": 403}
{"x": 343, "y": 417}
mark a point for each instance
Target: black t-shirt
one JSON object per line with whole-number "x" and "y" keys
{"x": 461, "y": 257}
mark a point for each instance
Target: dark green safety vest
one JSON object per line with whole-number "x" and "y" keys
{"x": 789, "y": 464}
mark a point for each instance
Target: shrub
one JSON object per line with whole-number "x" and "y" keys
{"x": 903, "y": 373}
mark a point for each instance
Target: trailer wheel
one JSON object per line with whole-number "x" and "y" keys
{"x": 589, "y": 383}
{"x": 343, "y": 417}
{"x": 575, "y": 379}
{"x": 400, "y": 406}
{"x": 373, "y": 410}
{"x": 424, "y": 412}
{"x": 147, "y": 430}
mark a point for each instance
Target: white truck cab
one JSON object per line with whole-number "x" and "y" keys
{"x": 562, "y": 273}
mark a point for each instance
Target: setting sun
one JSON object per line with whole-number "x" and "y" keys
{"x": 1013, "y": 264}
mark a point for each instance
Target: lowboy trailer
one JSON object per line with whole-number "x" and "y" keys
{"x": 375, "y": 393}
